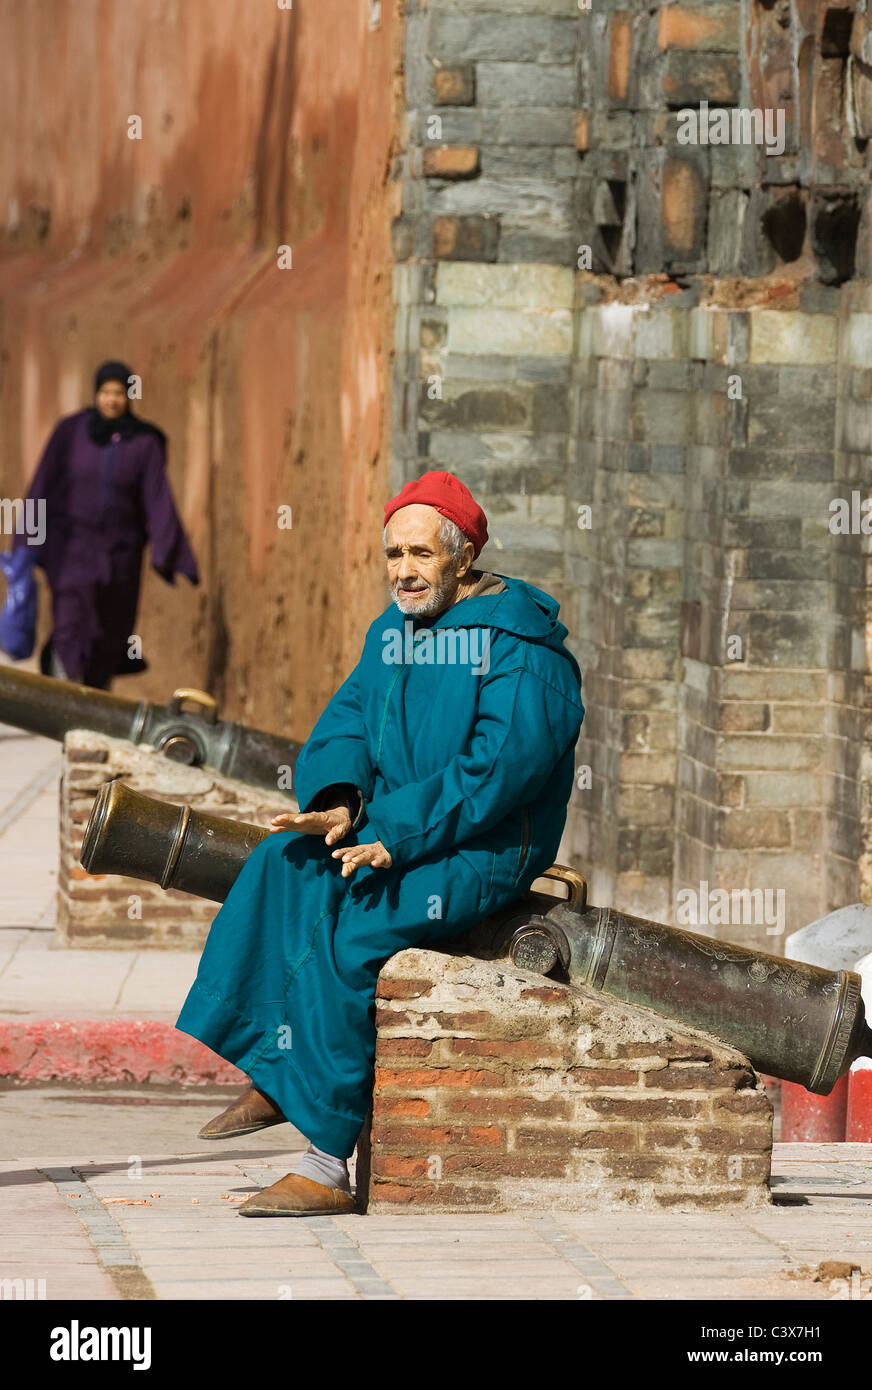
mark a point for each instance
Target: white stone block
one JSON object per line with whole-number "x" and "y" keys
{"x": 511, "y": 332}
{"x": 655, "y": 334}
{"x": 857, "y": 343}
{"x": 701, "y": 336}
{"x": 834, "y": 942}
{"x": 613, "y": 330}
{"x": 476, "y": 284}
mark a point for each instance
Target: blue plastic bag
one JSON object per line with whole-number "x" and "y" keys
{"x": 18, "y": 615}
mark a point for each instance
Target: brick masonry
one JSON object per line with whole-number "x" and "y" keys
{"x": 592, "y": 315}
{"x": 107, "y": 909}
{"x": 498, "y": 1091}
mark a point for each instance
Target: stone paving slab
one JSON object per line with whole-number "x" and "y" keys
{"x": 156, "y": 982}
{"x": 38, "y": 979}
{"x": 30, "y": 770}
{"x": 10, "y": 940}
{"x": 43, "y": 1239}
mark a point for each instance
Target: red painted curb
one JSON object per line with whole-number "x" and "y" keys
{"x": 117, "y": 1049}
{"x": 858, "y": 1127}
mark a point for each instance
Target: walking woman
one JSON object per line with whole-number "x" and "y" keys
{"x": 103, "y": 481}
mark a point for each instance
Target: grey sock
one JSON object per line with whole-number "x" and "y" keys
{"x": 322, "y": 1167}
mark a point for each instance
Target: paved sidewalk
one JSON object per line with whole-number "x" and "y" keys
{"x": 30, "y": 770}
{"x": 36, "y": 979}
{"x": 156, "y": 1224}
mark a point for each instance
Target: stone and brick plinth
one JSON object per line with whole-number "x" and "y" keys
{"x": 106, "y": 909}
{"x": 497, "y": 1089}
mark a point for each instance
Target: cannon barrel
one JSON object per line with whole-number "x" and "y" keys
{"x": 792, "y": 1020}
{"x": 142, "y": 837}
{"x": 43, "y": 705}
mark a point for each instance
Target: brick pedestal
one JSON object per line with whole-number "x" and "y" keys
{"x": 108, "y": 910}
{"x": 498, "y": 1090}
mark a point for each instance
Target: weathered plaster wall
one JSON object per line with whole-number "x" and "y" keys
{"x": 261, "y": 127}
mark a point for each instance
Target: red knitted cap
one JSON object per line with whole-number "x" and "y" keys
{"x": 450, "y": 497}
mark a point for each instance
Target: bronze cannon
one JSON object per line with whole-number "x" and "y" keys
{"x": 43, "y": 705}
{"x": 794, "y": 1021}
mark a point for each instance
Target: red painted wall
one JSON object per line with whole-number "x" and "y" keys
{"x": 261, "y": 127}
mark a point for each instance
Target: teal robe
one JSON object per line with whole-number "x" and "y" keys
{"x": 459, "y": 733}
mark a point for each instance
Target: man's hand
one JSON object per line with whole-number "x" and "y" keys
{"x": 356, "y": 856}
{"x": 333, "y": 824}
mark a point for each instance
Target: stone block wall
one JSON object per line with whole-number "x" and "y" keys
{"x": 496, "y": 1090}
{"x": 727, "y": 696}
{"x": 534, "y": 125}
{"x": 647, "y": 202}
{"x": 111, "y": 910}
{"x": 651, "y": 362}
{"x": 484, "y": 353}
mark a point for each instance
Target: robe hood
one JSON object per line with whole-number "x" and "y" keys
{"x": 521, "y": 609}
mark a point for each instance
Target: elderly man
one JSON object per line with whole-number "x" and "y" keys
{"x": 432, "y": 791}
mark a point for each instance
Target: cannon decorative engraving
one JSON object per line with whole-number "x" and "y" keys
{"x": 43, "y": 705}
{"x": 792, "y": 1020}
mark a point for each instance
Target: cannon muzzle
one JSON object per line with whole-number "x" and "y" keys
{"x": 142, "y": 837}
{"x": 792, "y": 1020}
{"x": 43, "y": 705}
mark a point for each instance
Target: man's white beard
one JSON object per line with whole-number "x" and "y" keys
{"x": 439, "y": 597}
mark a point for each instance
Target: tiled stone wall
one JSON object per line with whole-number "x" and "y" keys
{"x": 590, "y": 314}
{"x": 536, "y": 125}
{"x": 729, "y": 661}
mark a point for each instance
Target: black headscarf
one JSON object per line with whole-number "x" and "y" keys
{"x": 127, "y": 425}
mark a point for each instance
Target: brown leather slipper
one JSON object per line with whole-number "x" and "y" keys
{"x": 250, "y": 1112}
{"x": 294, "y": 1195}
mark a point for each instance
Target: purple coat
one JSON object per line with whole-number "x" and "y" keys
{"x": 103, "y": 505}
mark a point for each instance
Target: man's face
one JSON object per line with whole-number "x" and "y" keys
{"x": 111, "y": 400}
{"x": 421, "y": 573}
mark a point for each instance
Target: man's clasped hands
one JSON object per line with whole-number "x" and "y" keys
{"x": 334, "y": 824}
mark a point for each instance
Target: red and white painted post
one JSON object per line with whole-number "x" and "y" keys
{"x": 858, "y": 1125}
{"x": 834, "y": 942}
